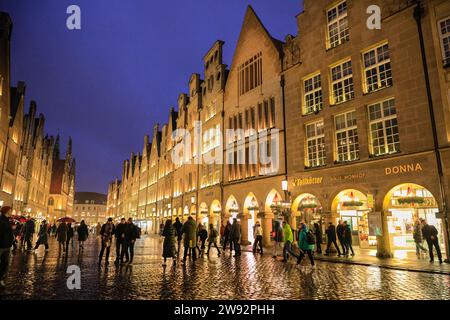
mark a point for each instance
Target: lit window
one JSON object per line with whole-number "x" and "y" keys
{"x": 342, "y": 82}
{"x": 250, "y": 74}
{"x": 312, "y": 98}
{"x": 315, "y": 144}
{"x": 444, "y": 34}
{"x": 384, "y": 137}
{"x": 377, "y": 68}
{"x": 337, "y": 25}
{"x": 347, "y": 146}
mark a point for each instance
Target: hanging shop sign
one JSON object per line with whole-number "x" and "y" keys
{"x": 404, "y": 168}
{"x": 298, "y": 182}
{"x": 375, "y": 224}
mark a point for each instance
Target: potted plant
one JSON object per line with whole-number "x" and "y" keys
{"x": 352, "y": 203}
{"x": 410, "y": 200}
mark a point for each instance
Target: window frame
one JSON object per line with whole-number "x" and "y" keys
{"x": 316, "y": 137}
{"x": 376, "y": 67}
{"x": 445, "y": 60}
{"x": 342, "y": 80}
{"x": 338, "y": 21}
{"x": 312, "y": 92}
{"x": 346, "y": 130}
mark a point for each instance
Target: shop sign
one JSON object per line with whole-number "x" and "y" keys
{"x": 351, "y": 176}
{"x": 298, "y": 182}
{"x": 375, "y": 224}
{"x": 404, "y": 168}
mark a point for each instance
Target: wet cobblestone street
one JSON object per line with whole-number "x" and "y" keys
{"x": 39, "y": 276}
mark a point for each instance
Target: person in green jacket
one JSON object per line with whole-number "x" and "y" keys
{"x": 304, "y": 246}
{"x": 190, "y": 238}
{"x": 288, "y": 240}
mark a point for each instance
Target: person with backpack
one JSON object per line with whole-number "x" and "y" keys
{"x": 306, "y": 244}
{"x": 348, "y": 239}
{"x": 430, "y": 233}
{"x": 331, "y": 239}
{"x": 178, "y": 226}
{"x": 277, "y": 236}
{"x": 212, "y": 240}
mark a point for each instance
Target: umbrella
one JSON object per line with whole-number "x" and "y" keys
{"x": 21, "y": 219}
{"x": 66, "y": 219}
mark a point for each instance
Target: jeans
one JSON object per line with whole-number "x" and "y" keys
{"x": 213, "y": 243}
{"x": 434, "y": 242}
{"x": 237, "y": 247}
{"x": 258, "y": 241}
{"x": 62, "y": 245}
{"x": 190, "y": 251}
{"x": 128, "y": 251}
{"x": 120, "y": 249}
{"x": 419, "y": 246}
{"x": 302, "y": 255}
{"x": 348, "y": 247}
{"x": 4, "y": 262}
{"x": 344, "y": 248}
{"x": 287, "y": 249}
{"x": 106, "y": 246}
{"x": 329, "y": 242}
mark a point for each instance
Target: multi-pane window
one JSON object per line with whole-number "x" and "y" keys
{"x": 347, "y": 146}
{"x": 211, "y": 110}
{"x": 337, "y": 25}
{"x": 312, "y": 98}
{"x": 342, "y": 82}
{"x": 444, "y": 34}
{"x": 315, "y": 144}
{"x": 250, "y": 74}
{"x": 377, "y": 68}
{"x": 383, "y": 125}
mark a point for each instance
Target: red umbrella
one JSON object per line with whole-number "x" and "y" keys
{"x": 66, "y": 220}
{"x": 21, "y": 219}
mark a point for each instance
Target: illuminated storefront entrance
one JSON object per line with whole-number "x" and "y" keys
{"x": 308, "y": 209}
{"x": 351, "y": 205}
{"x": 407, "y": 203}
{"x": 251, "y": 210}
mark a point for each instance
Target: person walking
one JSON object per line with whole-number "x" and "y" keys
{"x": 190, "y": 239}
{"x": 212, "y": 239}
{"x": 131, "y": 234}
{"x": 178, "y": 226}
{"x": 83, "y": 234}
{"x": 430, "y": 234}
{"x": 42, "y": 236}
{"x": 222, "y": 234}
{"x": 202, "y": 234}
{"x": 278, "y": 238}
{"x": 6, "y": 242}
{"x": 235, "y": 236}
{"x": 340, "y": 229}
{"x": 305, "y": 244}
{"x": 119, "y": 233}
{"x": 418, "y": 239}
{"x": 61, "y": 236}
{"x": 169, "y": 233}
{"x": 348, "y": 239}
{"x": 98, "y": 228}
{"x": 318, "y": 234}
{"x": 331, "y": 239}
{"x": 69, "y": 236}
{"x": 288, "y": 240}
{"x": 257, "y": 231}
{"x": 226, "y": 237}
{"x": 29, "y": 232}
{"x": 106, "y": 233}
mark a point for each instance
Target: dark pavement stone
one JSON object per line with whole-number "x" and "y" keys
{"x": 43, "y": 276}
